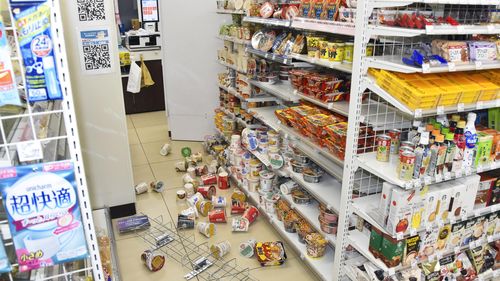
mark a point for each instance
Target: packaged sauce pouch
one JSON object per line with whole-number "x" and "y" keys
{"x": 33, "y": 26}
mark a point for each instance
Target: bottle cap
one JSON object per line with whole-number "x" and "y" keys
{"x": 436, "y": 132}
{"x": 445, "y": 130}
{"x": 437, "y": 126}
{"x": 430, "y": 127}
{"x": 461, "y": 124}
{"x": 471, "y": 117}
{"x": 440, "y": 138}
{"x": 450, "y": 136}
{"x": 455, "y": 117}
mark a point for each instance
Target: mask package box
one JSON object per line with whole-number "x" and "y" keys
{"x": 33, "y": 23}
{"x": 41, "y": 201}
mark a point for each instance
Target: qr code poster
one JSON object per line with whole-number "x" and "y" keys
{"x": 91, "y": 10}
{"x": 95, "y": 51}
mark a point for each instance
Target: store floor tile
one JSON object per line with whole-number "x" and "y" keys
{"x": 137, "y": 155}
{"x": 130, "y": 124}
{"x": 149, "y": 119}
{"x": 133, "y": 138}
{"x": 143, "y": 173}
{"x": 156, "y": 133}
{"x": 165, "y": 172}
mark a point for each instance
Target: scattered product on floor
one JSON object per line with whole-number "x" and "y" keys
{"x": 165, "y": 149}
{"x": 153, "y": 260}
{"x": 133, "y": 223}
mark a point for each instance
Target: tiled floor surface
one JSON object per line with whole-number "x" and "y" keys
{"x": 147, "y": 133}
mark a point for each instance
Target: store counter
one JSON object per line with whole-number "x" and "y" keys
{"x": 150, "y": 98}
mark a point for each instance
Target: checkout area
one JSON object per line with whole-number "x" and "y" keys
{"x": 141, "y": 43}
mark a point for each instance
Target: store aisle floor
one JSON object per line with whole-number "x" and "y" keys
{"x": 147, "y": 133}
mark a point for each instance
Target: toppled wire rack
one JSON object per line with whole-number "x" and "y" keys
{"x": 163, "y": 237}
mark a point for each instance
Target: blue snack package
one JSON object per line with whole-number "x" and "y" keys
{"x": 45, "y": 220}
{"x": 32, "y": 22}
{"x": 4, "y": 260}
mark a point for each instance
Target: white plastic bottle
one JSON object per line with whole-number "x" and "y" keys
{"x": 470, "y": 141}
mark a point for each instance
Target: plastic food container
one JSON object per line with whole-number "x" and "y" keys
{"x": 300, "y": 197}
{"x": 296, "y": 166}
{"x": 266, "y": 180}
{"x": 303, "y": 229}
{"x": 253, "y": 184}
{"x": 316, "y": 245}
{"x": 301, "y": 158}
{"x": 290, "y": 220}
{"x": 312, "y": 175}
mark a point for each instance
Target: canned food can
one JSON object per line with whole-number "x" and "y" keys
{"x": 191, "y": 172}
{"x": 185, "y": 222}
{"x": 152, "y": 260}
{"x": 193, "y": 200}
{"x": 403, "y": 149}
{"x": 223, "y": 181}
{"x": 141, "y": 188}
{"x": 247, "y": 248}
{"x": 219, "y": 201}
{"x": 207, "y": 229}
{"x": 208, "y": 191}
{"x": 165, "y": 149}
{"x": 217, "y": 216}
{"x": 221, "y": 249}
{"x": 407, "y": 144}
{"x": 406, "y": 165}
{"x": 189, "y": 189}
{"x": 157, "y": 186}
{"x": 383, "y": 148}
{"x": 209, "y": 179}
{"x": 190, "y": 212}
{"x": 240, "y": 224}
{"x": 251, "y": 214}
{"x": 181, "y": 195}
{"x": 204, "y": 207}
{"x": 395, "y": 135}
{"x": 238, "y": 208}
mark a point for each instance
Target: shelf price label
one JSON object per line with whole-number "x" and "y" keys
{"x": 460, "y": 28}
{"x": 479, "y": 64}
{"x": 479, "y": 105}
{"x": 452, "y": 67}
{"x": 460, "y": 107}
{"x": 440, "y": 110}
{"x": 413, "y": 231}
{"x": 417, "y": 183}
{"x": 428, "y": 179}
{"x": 468, "y": 171}
{"x": 418, "y": 113}
{"x": 439, "y": 177}
{"x": 426, "y": 68}
{"x": 400, "y": 236}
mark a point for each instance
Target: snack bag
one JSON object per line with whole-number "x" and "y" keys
{"x": 306, "y": 8}
{"x": 33, "y": 24}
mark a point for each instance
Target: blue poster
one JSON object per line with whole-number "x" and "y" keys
{"x": 44, "y": 215}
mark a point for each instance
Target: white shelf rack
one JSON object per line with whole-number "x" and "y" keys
{"x": 230, "y": 12}
{"x": 280, "y": 90}
{"x": 310, "y": 212}
{"x": 271, "y": 22}
{"x": 322, "y": 267}
{"x": 399, "y": 3}
{"x": 344, "y": 67}
{"x": 370, "y": 83}
{"x": 367, "y": 208}
{"x": 327, "y": 26}
{"x": 270, "y": 56}
{"x": 234, "y": 92}
{"x": 327, "y": 191}
{"x": 103, "y": 223}
{"x": 234, "y": 40}
{"x": 233, "y": 67}
{"x": 383, "y": 30}
{"x": 387, "y": 171}
{"x": 395, "y": 63}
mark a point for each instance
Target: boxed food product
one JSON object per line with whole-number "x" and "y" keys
{"x": 479, "y": 228}
{"x": 452, "y": 51}
{"x": 471, "y": 185}
{"x": 483, "y": 194}
{"x": 445, "y": 195}
{"x": 430, "y": 270}
{"x": 455, "y": 236}
{"x": 468, "y": 232}
{"x": 400, "y": 212}
{"x": 476, "y": 256}
{"x": 495, "y": 191}
{"x": 302, "y": 111}
{"x": 482, "y": 51}
{"x": 385, "y": 201}
{"x": 392, "y": 251}
{"x": 316, "y": 123}
{"x": 448, "y": 268}
{"x": 483, "y": 149}
{"x": 429, "y": 239}
{"x": 491, "y": 223}
{"x": 431, "y": 206}
{"x": 443, "y": 238}
{"x": 411, "y": 251}
{"x": 375, "y": 245}
{"x": 270, "y": 253}
{"x": 457, "y": 201}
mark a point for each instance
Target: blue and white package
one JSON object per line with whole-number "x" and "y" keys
{"x": 8, "y": 88}
{"x": 4, "y": 260}
{"x": 32, "y": 22}
{"x": 44, "y": 215}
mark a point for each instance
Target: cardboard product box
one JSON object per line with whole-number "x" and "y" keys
{"x": 443, "y": 238}
{"x": 495, "y": 190}
{"x": 490, "y": 223}
{"x": 484, "y": 191}
{"x": 445, "y": 195}
{"x": 483, "y": 149}
{"x": 447, "y": 265}
{"x": 400, "y": 212}
{"x": 495, "y": 145}
{"x": 457, "y": 200}
{"x": 431, "y": 206}
{"x": 479, "y": 228}
{"x": 385, "y": 201}
{"x": 392, "y": 251}
{"x": 412, "y": 248}
{"x": 467, "y": 232}
{"x": 471, "y": 186}
{"x": 428, "y": 245}
{"x": 375, "y": 246}
{"x": 494, "y": 118}
{"x": 455, "y": 236}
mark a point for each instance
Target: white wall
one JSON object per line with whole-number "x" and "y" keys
{"x": 101, "y": 119}
{"x": 190, "y": 66}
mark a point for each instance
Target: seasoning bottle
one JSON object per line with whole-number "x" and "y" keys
{"x": 470, "y": 141}
{"x": 450, "y": 151}
{"x": 455, "y": 118}
{"x": 414, "y": 134}
{"x": 441, "y": 154}
{"x": 459, "y": 140}
{"x": 443, "y": 120}
{"x": 445, "y": 131}
{"x": 422, "y": 156}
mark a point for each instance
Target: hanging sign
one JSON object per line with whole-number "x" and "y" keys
{"x": 149, "y": 11}
{"x": 96, "y": 51}
{"x": 44, "y": 215}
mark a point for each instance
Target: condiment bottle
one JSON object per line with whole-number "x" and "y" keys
{"x": 450, "y": 151}
{"x": 459, "y": 140}
{"x": 455, "y": 118}
{"x": 422, "y": 156}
